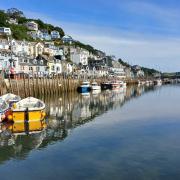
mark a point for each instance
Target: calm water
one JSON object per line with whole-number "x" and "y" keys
{"x": 133, "y": 134}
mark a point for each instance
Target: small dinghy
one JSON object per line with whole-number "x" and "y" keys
{"x": 11, "y": 99}
{"x": 105, "y": 85}
{"x": 4, "y": 108}
{"x": 28, "y": 109}
{"x": 84, "y": 87}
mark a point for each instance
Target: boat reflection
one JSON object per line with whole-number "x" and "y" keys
{"x": 65, "y": 112}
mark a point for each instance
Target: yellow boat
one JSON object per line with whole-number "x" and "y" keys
{"x": 29, "y": 109}
{"x": 24, "y": 128}
{"x": 28, "y": 128}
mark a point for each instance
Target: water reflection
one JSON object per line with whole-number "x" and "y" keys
{"x": 64, "y": 113}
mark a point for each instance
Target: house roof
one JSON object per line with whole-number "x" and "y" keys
{"x": 67, "y": 37}
{"x": 7, "y": 51}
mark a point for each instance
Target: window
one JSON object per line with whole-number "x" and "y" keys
{"x": 41, "y": 62}
{"x": 35, "y": 61}
{"x": 30, "y": 68}
{"x": 37, "y": 68}
{"x": 52, "y": 68}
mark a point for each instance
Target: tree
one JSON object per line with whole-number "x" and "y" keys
{"x": 123, "y": 62}
{"x": 15, "y": 13}
{"x": 41, "y": 24}
{"x": 3, "y": 18}
{"x": 19, "y": 32}
{"x": 22, "y": 20}
{"x": 60, "y": 30}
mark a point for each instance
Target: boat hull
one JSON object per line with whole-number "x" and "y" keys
{"x": 105, "y": 86}
{"x": 22, "y": 127}
{"x": 31, "y": 115}
{"x": 83, "y": 89}
{"x": 96, "y": 88}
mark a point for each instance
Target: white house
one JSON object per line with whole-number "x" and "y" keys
{"x": 52, "y": 50}
{"x": 69, "y": 68}
{"x": 4, "y": 44}
{"x": 55, "y": 35}
{"x": 67, "y": 39}
{"x": 20, "y": 48}
{"x": 140, "y": 73}
{"x": 12, "y": 21}
{"x": 5, "y": 30}
{"x": 119, "y": 72}
{"x": 31, "y": 25}
{"x": 79, "y": 56}
{"x": 8, "y": 62}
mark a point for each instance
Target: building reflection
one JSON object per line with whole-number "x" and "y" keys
{"x": 64, "y": 112}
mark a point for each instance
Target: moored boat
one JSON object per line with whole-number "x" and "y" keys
{"x": 84, "y": 87}
{"x": 4, "y": 108}
{"x": 95, "y": 86}
{"x": 28, "y": 109}
{"x": 105, "y": 85}
{"x": 26, "y": 128}
{"x": 11, "y": 99}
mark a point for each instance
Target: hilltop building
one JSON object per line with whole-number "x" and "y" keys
{"x": 5, "y": 31}
{"x": 31, "y": 25}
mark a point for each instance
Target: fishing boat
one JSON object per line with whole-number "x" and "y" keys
{"x": 95, "y": 86}
{"x": 11, "y": 99}
{"x": 84, "y": 87}
{"x": 28, "y": 109}
{"x": 105, "y": 85}
{"x": 4, "y": 108}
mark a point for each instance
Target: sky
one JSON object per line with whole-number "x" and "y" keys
{"x": 144, "y": 32}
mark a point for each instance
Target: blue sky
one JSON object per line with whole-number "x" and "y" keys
{"x": 145, "y": 32}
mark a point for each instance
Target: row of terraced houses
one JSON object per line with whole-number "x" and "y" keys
{"x": 43, "y": 58}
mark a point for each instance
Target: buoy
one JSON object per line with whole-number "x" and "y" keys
{"x": 43, "y": 114}
{"x": 10, "y": 117}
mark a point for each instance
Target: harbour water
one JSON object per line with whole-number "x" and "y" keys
{"x": 130, "y": 134}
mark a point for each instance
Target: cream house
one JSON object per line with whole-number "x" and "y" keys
{"x": 36, "y": 48}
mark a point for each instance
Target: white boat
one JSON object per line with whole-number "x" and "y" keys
{"x": 4, "y": 107}
{"x": 95, "y": 86}
{"x": 84, "y": 87}
{"x": 11, "y": 98}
